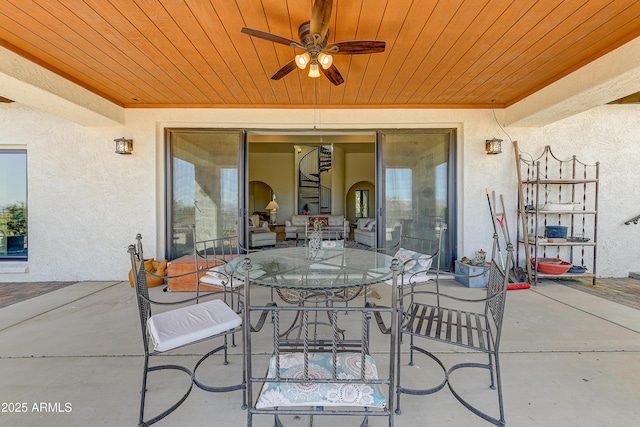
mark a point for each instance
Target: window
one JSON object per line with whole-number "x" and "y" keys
{"x": 202, "y": 187}
{"x": 418, "y": 194}
{"x": 362, "y": 203}
{"x": 13, "y": 205}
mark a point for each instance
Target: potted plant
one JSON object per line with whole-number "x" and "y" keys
{"x": 16, "y": 227}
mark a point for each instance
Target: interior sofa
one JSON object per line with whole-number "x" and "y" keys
{"x": 255, "y": 223}
{"x": 365, "y": 232}
{"x": 337, "y": 225}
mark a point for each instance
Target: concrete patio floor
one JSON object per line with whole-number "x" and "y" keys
{"x": 568, "y": 358}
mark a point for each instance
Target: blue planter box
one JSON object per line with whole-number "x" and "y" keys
{"x": 479, "y": 281}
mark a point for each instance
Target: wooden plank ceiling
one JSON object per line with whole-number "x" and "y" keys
{"x": 190, "y": 53}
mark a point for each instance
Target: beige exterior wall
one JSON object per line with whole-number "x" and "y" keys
{"x": 86, "y": 203}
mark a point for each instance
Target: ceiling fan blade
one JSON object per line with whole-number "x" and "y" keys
{"x": 355, "y": 47}
{"x": 271, "y": 37}
{"x": 333, "y": 75}
{"x": 286, "y": 69}
{"x": 320, "y": 16}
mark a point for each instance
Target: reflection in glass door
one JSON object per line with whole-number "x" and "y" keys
{"x": 202, "y": 187}
{"x": 416, "y": 187}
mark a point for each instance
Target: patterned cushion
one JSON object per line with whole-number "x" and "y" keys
{"x": 325, "y": 394}
{"x": 370, "y": 224}
{"x": 420, "y": 262}
{"x": 322, "y": 220}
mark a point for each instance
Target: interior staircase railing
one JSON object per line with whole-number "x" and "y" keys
{"x": 310, "y": 167}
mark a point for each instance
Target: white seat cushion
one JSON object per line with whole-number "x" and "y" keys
{"x": 185, "y": 325}
{"x": 322, "y": 394}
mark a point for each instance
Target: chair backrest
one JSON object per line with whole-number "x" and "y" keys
{"x": 425, "y": 246}
{"x": 140, "y": 284}
{"x": 211, "y": 252}
{"x": 497, "y": 288}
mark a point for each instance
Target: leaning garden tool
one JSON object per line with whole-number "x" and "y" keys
{"x": 525, "y": 233}
{"x": 495, "y": 230}
{"x": 514, "y": 274}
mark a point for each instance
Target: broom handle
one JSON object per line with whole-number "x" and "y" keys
{"x": 525, "y": 232}
{"x": 493, "y": 220}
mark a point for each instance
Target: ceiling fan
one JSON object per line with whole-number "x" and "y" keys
{"x": 314, "y": 37}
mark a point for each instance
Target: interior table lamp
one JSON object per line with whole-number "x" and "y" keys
{"x": 272, "y": 207}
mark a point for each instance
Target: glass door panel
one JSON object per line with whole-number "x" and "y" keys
{"x": 416, "y": 186}
{"x": 203, "y": 187}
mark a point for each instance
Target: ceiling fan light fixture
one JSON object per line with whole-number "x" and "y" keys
{"x": 325, "y": 60}
{"x": 302, "y": 60}
{"x": 314, "y": 70}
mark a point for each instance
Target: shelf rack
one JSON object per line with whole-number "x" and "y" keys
{"x": 551, "y": 182}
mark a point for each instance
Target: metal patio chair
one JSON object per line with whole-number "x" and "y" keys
{"x": 478, "y": 330}
{"x": 211, "y": 257}
{"x": 185, "y": 322}
{"x": 327, "y": 370}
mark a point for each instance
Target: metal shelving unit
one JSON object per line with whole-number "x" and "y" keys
{"x": 559, "y": 193}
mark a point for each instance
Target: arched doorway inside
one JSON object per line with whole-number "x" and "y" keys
{"x": 361, "y": 201}
{"x": 260, "y": 194}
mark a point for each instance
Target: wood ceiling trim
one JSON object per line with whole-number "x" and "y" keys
{"x": 412, "y": 29}
{"x": 232, "y": 18}
{"x": 209, "y": 60}
{"x": 171, "y": 39}
{"x": 60, "y": 73}
{"x": 83, "y": 37}
{"x": 390, "y": 27}
{"x": 129, "y": 55}
{"x": 471, "y": 46}
{"x": 481, "y": 70}
{"x": 141, "y": 48}
{"x": 440, "y": 52}
{"x": 213, "y": 27}
{"x": 161, "y": 50}
{"x": 577, "y": 66}
{"x": 410, "y": 68}
{"x": 597, "y": 44}
{"x": 462, "y": 72}
{"x": 355, "y": 66}
{"x": 22, "y": 42}
{"x": 170, "y": 53}
{"x": 264, "y": 50}
{"x": 279, "y": 21}
{"x": 537, "y": 41}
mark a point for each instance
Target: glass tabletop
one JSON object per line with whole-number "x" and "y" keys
{"x": 293, "y": 268}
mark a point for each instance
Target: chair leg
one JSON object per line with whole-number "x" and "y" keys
{"x": 398, "y": 364}
{"x": 490, "y": 366}
{"x": 411, "y": 351}
{"x": 499, "y": 387}
{"x": 492, "y": 386}
{"x": 143, "y": 392}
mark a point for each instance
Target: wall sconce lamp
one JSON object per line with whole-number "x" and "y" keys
{"x": 124, "y": 146}
{"x": 272, "y": 206}
{"x": 493, "y": 146}
{"x": 299, "y": 150}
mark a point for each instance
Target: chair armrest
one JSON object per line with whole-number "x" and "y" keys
{"x": 287, "y": 223}
{"x": 265, "y": 225}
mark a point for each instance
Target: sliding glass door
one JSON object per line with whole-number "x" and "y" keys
{"x": 203, "y": 177}
{"x": 416, "y": 187}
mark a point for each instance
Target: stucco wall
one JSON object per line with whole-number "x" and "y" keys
{"x": 86, "y": 203}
